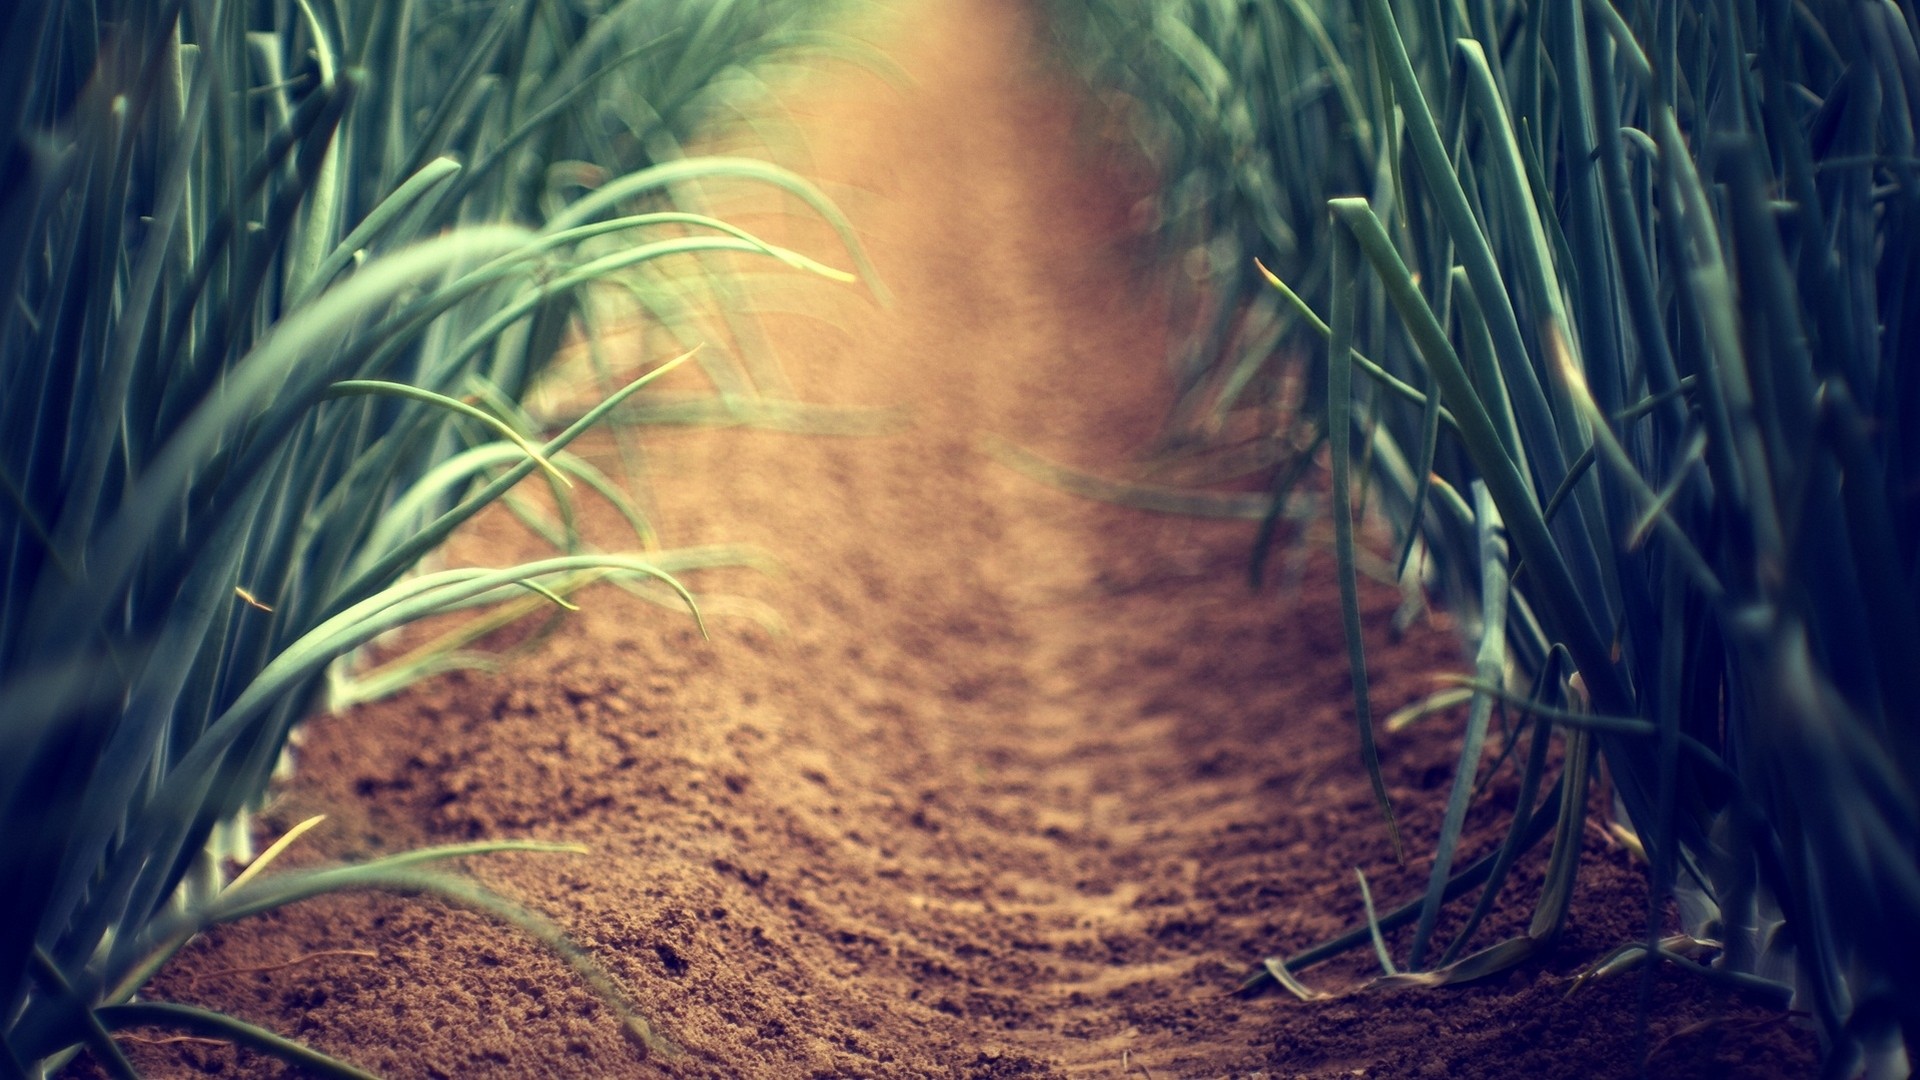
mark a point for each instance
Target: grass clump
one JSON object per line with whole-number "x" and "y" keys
{"x": 278, "y": 275}
{"x": 1606, "y": 305}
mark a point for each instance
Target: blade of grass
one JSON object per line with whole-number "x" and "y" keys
{"x": 137, "y": 1014}
{"x": 1340, "y": 428}
{"x": 1490, "y": 663}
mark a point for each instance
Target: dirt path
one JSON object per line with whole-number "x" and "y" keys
{"x": 1026, "y": 783}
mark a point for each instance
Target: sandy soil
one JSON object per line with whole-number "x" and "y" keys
{"x": 1028, "y": 782}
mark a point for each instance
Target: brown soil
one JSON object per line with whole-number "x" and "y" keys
{"x": 1027, "y": 784}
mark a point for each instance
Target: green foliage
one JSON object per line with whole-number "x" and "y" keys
{"x": 1650, "y": 267}
{"x": 276, "y": 275}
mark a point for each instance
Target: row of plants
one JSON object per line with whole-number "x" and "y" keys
{"x": 1603, "y": 305}
{"x": 279, "y": 275}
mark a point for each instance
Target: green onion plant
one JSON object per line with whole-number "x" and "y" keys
{"x": 1604, "y": 305}
{"x": 277, "y": 275}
